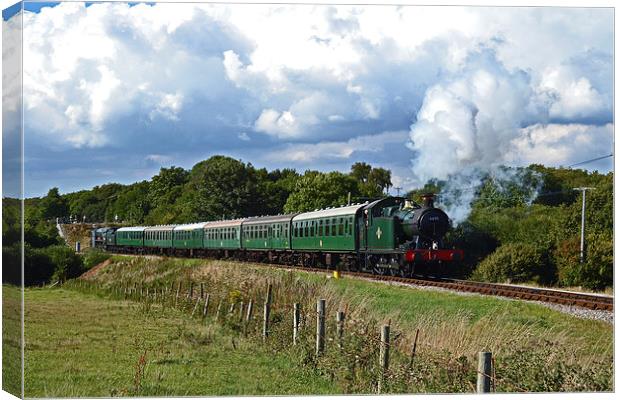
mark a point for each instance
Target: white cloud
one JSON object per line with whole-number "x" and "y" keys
{"x": 327, "y": 151}
{"x": 281, "y": 124}
{"x": 159, "y": 158}
{"x": 557, "y": 144}
{"x": 469, "y": 79}
{"x": 168, "y": 107}
{"x": 573, "y": 95}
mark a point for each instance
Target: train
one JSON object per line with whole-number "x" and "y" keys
{"x": 389, "y": 236}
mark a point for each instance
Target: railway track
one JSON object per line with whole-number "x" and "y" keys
{"x": 585, "y": 300}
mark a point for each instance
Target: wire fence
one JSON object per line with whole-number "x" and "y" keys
{"x": 331, "y": 337}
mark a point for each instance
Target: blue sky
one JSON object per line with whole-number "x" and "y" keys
{"x": 114, "y": 91}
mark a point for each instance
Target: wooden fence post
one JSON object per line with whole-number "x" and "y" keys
{"x": 176, "y": 299}
{"x": 241, "y": 306}
{"x": 384, "y": 355}
{"x": 219, "y": 310}
{"x": 484, "y": 372}
{"x": 202, "y": 290}
{"x": 205, "y": 309}
{"x": 190, "y": 294}
{"x": 320, "y": 326}
{"x": 340, "y": 327}
{"x": 248, "y": 315}
{"x": 196, "y": 306}
{"x": 266, "y": 312}
{"x": 296, "y": 317}
{"x": 231, "y": 309}
{"x": 268, "y": 298}
{"x": 415, "y": 345}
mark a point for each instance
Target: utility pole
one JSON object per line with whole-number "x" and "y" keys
{"x": 398, "y": 189}
{"x": 582, "y": 253}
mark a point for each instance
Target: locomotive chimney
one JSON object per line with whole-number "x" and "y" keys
{"x": 429, "y": 200}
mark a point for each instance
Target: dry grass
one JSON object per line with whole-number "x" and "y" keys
{"x": 453, "y": 329}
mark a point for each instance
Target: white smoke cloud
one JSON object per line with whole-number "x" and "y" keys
{"x": 470, "y": 119}
{"x": 478, "y": 118}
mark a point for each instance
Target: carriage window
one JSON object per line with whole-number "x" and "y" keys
{"x": 312, "y": 228}
{"x": 341, "y": 227}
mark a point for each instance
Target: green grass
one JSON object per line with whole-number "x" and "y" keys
{"x": 96, "y": 352}
{"x": 11, "y": 340}
{"x": 464, "y": 324}
{"x": 81, "y": 345}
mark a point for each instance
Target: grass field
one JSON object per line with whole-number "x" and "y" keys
{"x": 81, "y": 345}
{"x": 11, "y": 340}
{"x": 96, "y": 348}
{"x": 460, "y": 323}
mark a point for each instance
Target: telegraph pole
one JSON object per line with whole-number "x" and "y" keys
{"x": 398, "y": 189}
{"x": 582, "y": 253}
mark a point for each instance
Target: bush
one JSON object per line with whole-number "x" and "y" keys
{"x": 11, "y": 264}
{"x": 597, "y": 272}
{"x": 512, "y": 262}
{"x": 67, "y": 264}
{"x": 93, "y": 257}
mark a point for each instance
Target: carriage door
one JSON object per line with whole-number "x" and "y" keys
{"x": 361, "y": 231}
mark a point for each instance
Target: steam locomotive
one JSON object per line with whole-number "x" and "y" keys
{"x": 389, "y": 236}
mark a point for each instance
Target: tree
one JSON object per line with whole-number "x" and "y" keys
{"x": 53, "y": 205}
{"x": 380, "y": 180}
{"x": 166, "y": 186}
{"x": 372, "y": 182}
{"x": 132, "y": 205}
{"x": 316, "y": 190}
{"x": 222, "y": 188}
{"x": 361, "y": 171}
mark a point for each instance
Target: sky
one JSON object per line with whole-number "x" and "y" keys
{"x": 114, "y": 91}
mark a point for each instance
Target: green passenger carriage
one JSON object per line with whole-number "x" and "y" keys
{"x": 130, "y": 236}
{"x": 159, "y": 236}
{"x": 189, "y": 236}
{"x": 267, "y": 233}
{"x": 332, "y": 229}
{"x": 224, "y": 235}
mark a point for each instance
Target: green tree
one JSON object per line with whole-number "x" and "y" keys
{"x": 132, "y": 205}
{"x": 316, "y": 190}
{"x": 361, "y": 171}
{"x": 166, "y": 186}
{"x": 53, "y": 205}
{"x": 379, "y": 181}
{"x": 222, "y": 187}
